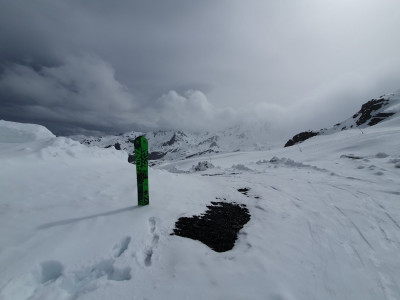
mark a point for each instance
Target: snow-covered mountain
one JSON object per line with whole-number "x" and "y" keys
{"x": 178, "y": 144}
{"x": 370, "y": 114}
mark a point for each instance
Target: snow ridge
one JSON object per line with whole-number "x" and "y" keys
{"x": 173, "y": 145}
{"x": 371, "y": 113}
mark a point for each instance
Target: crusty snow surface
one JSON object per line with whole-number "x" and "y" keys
{"x": 323, "y": 225}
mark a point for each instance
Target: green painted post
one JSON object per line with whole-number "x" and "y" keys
{"x": 142, "y": 169}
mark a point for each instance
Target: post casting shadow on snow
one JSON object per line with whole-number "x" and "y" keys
{"x": 69, "y": 221}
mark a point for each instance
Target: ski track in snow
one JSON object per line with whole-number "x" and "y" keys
{"x": 386, "y": 282}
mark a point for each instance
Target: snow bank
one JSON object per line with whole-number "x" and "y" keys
{"x": 31, "y": 142}
{"x": 202, "y": 166}
{"x": 12, "y": 132}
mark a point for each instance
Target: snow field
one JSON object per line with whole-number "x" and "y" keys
{"x": 323, "y": 226}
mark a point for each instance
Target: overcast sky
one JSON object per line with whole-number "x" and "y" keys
{"x": 81, "y": 66}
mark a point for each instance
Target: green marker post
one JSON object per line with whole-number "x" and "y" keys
{"x": 142, "y": 169}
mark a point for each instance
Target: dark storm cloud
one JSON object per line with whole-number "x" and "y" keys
{"x": 100, "y": 62}
{"x": 118, "y": 65}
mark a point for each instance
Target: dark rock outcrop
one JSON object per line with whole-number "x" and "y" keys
{"x": 379, "y": 118}
{"x": 131, "y": 158}
{"x": 202, "y": 153}
{"x": 171, "y": 141}
{"x": 367, "y": 110}
{"x": 156, "y": 155}
{"x": 117, "y": 146}
{"x": 301, "y": 137}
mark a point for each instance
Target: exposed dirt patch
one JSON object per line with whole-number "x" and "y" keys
{"x": 217, "y": 228}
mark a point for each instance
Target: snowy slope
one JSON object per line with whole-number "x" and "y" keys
{"x": 373, "y": 112}
{"x": 325, "y": 222}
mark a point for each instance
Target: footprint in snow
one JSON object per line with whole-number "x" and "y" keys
{"x": 381, "y": 155}
{"x": 79, "y": 281}
{"x": 396, "y": 162}
{"x": 51, "y": 270}
{"x": 149, "y": 251}
{"x": 245, "y": 191}
{"x": 121, "y": 247}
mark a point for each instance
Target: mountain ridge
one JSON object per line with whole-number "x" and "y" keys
{"x": 181, "y": 144}
{"x": 371, "y": 113}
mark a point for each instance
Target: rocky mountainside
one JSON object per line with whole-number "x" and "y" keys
{"x": 370, "y": 114}
{"x": 178, "y": 144}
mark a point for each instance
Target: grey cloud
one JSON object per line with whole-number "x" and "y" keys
{"x": 191, "y": 111}
{"x": 82, "y": 90}
{"x": 105, "y": 65}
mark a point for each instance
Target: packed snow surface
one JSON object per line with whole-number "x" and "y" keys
{"x": 325, "y": 221}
